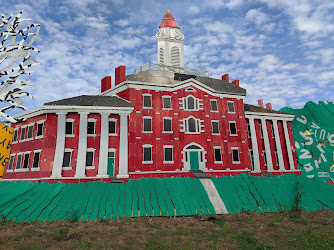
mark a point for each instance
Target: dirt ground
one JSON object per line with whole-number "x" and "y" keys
{"x": 293, "y": 230}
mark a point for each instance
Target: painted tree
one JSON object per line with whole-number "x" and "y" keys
{"x": 15, "y": 62}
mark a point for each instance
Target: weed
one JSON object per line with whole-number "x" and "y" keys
{"x": 81, "y": 244}
{"x": 3, "y": 220}
{"x": 246, "y": 240}
{"x": 296, "y": 205}
{"x": 27, "y": 246}
{"x": 60, "y": 233}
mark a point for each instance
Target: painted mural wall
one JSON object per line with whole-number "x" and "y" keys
{"x": 313, "y": 130}
{"x": 6, "y": 136}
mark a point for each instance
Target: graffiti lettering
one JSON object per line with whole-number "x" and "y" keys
{"x": 5, "y": 161}
{"x": 305, "y": 154}
{"x": 304, "y": 120}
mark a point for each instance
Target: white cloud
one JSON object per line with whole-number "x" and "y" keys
{"x": 122, "y": 22}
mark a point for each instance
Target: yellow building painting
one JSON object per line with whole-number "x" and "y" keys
{"x": 6, "y": 136}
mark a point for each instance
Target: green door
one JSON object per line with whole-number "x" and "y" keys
{"x": 194, "y": 164}
{"x": 111, "y": 163}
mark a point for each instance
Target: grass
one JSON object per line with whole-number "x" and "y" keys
{"x": 309, "y": 230}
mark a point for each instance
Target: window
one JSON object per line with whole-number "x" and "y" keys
{"x": 147, "y": 154}
{"x": 67, "y": 159}
{"x": 190, "y": 103}
{"x": 276, "y": 156}
{"x": 69, "y": 127}
{"x": 217, "y": 154}
{"x": 213, "y": 104}
{"x": 251, "y": 158}
{"x": 272, "y": 130}
{"x": 168, "y": 154}
{"x": 23, "y": 133}
{"x": 264, "y": 157}
{"x": 11, "y": 162}
{"x": 192, "y": 125}
{"x": 215, "y": 127}
{"x": 190, "y": 89}
{"x": 235, "y": 155}
{"x": 30, "y": 131}
{"x": 36, "y": 159}
{"x": 233, "y": 128}
{"x": 91, "y": 127}
{"x": 261, "y": 131}
{"x": 147, "y": 101}
{"x": 40, "y": 126}
{"x": 112, "y": 127}
{"x": 26, "y": 160}
{"x": 166, "y": 102}
{"x": 19, "y": 161}
{"x": 147, "y": 127}
{"x": 90, "y": 159}
{"x": 230, "y": 106}
{"x": 248, "y": 131}
{"x": 15, "y": 135}
{"x": 168, "y": 125}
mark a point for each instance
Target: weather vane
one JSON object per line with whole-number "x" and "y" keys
{"x": 15, "y": 61}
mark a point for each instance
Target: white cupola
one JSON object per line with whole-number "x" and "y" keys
{"x": 170, "y": 42}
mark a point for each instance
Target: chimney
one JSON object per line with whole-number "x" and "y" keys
{"x": 260, "y": 103}
{"x": 119, "y": 75}
{"x": 268, "y": 106}
{"x": 105, "y": 83}
{"x": 236, "y": 82}
{"x": 225, "y": 77}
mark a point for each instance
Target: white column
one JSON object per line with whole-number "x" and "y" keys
{"x": 123, "y": 147}
{"x": 267, "y": 145}
{"x": 104, "y": 143}
{"x": 255, "y": 148}
{"x": 288, "y": 146}
{"x": 278, "y": 146}
{"x": 60, "y": 146}
{"x": 82, "y": 147}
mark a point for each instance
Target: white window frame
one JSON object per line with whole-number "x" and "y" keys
{"x": 40, "y": 122}
{"x": 94, "y": 121}
{"x": 25, "y": 133}
{"x": 272, "y": 130}
{"x": 228, "y": 110}
{"x": 168, "y": 162}
{"x": 150, "y": 95}
{"x": 197, "y": 125}
{"x": 39, "y": 161}
{"x": 72, "y": 121}
{"x": 17, "y": 137}
{"x": 12, "y": 169}
{"x": 90, "y": 150}
{"x": 215, "y": 121}
{"x": 264, "y": 157}
{"x": 113, "y": 120}
{"x": 147, "y": 132}
{"x": 170, "y": 99}
{"x": 211, "y": 110}
{"x": 185, "y": 103}
{"x": 221, "y": 156}
{"x": 163, "y": 124}
{"x": 18, "y": 169}
{"x": 235, "y": 148}
{"x": 24, "y": 155}
{"x": 250, "y": 158}
{"x": 147, "y": 146}
{"x": 229, "y": 127}
{"x": 261, "y": 130}
{"x": 276, "y": 158}
{"x": 190, "y": 89}
{"x": 67, "y": 150}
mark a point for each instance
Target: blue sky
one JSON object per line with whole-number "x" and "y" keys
{"x": 281, "y": 50}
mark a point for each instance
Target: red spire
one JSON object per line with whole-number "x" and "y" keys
{"x": 168, "y": 21}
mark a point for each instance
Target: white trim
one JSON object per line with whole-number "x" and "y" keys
{"x": 32, "y": 136}
{"x": 265, "y": 160}
{"x": 250, "y": 158}
{"x": 147, "y": 146}
{"x": 104, "y": 144}
{"x": 221, "y": 156}
{"x": 228, "y": 111}
{"x": 148, "y": 131}
{"x": 170, "y": 98}
{"x": 150, "y": 95}
{"x": 94, "y": 121}
{"x": 25, "y": 133}
{"x": 90, "y": 150}
{"x": 186, "y": 125}
{"x": 288, "y": 145}
{"x": 190, "y": 89}
{"x": 112, "y": 120}
{"x": 214, "y": 100}
{"x": 82, "y": 145}
{"x": 10, "y": 156}
{"x": 171, "y": 125}
{"x": 229, "y": 127}
{"x": 186, "y": 103}
{"x": 254, "y": 145}
{"x": 269, "y": 116}
{"x": 267, "y": 145}
{"x": 67, "y": 150}
{"x": 17, "y": 137}
{"x": 235, "y": 148}
{"x": 168, "y": 162}
{"x": 215, "y": 121}
{"x": 69, "y": 120}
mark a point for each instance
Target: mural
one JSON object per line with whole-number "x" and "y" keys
{"x": 15, "y": 60}
{"x": 6, "y": 136}
{"x": 313, "y": 132}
